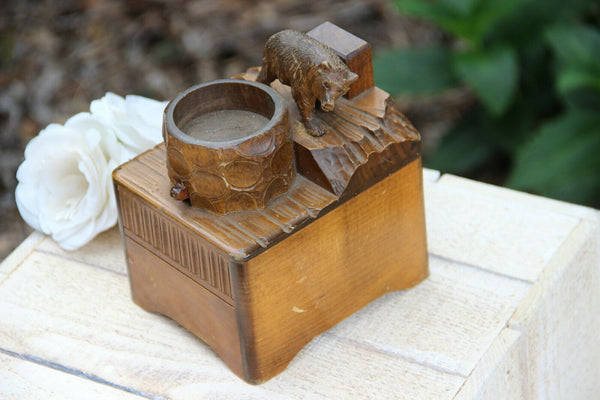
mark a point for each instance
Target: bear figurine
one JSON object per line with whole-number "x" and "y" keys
{"x": 314, "y": 72}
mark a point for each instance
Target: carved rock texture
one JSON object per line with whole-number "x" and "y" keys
{"x": 366, "y": 144}
{"x": 369, "y": 138}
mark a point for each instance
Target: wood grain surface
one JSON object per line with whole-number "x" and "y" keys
{"x": 373, "y": 244}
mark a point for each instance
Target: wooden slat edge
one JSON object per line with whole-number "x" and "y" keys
{"x": 33, "y": 378}
{"x": 559, "y": 320}
{"x": 498, "y": 374}
{"x": 16, "y": 258}
{"x": 556, "y": 206}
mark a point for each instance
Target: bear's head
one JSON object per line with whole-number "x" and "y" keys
{"x": 331, "y": 83}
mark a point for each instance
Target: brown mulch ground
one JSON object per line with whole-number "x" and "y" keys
{"x": 57, "y": 56}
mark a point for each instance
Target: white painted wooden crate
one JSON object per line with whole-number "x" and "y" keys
{"x": 510, "y": 311}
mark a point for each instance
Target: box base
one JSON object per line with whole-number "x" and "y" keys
{"x": 299, "y": 287}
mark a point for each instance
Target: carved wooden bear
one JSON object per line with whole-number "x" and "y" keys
{"x": 313, "y": 71}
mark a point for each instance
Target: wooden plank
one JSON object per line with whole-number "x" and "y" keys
{"x": 500, "y": 374}
{"x": 329, "y": 368}
{"x": 509, "y": 195}
{"x": 20, "y": 379}
{"x": 320, "y": 371}
{"x": 77, "y": 315}
{"x": 497, "y": 234}
{"x": 105, "y": 250}
{"x": 58, "y": 307}
{"x": 448, "y": 321}
{"x": 559, "y": 320}
{"x": 14, "y": 259}
{"x": 430, "y": 175}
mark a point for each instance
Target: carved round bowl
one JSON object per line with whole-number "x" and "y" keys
{"x": 229, "y": 145}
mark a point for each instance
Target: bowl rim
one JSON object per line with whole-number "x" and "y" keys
{"x": 172, "y": 128}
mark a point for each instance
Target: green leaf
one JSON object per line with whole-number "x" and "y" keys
{"x": 441, "y": 12}
{"x": 461, "y": 150}
{"x": 583, "y": 99}
{"x": 460, "y": 7}
{"x": 576, "y": 46}
{"x": 493, "y": 76}
{"x": 414, "y": 71}
{"x": 430, "y": 11}
{"x": 486, "y": 16}
{"x": 572, "y": 79}
{"x": 467, "y": 19}
{"x": 562, "y": 159}
{"x": 577, "y": 49}
{"x": 526, "y": 23}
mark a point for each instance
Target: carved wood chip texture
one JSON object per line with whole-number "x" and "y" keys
{"x": 356, "y": 133}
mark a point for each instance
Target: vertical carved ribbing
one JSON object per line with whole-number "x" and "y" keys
{"x": 175, "y": 243}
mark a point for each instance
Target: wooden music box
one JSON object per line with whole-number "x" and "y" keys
{"x": 261, "y": 222}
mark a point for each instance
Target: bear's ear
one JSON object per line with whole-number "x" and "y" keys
{"x": 351, "y": 78}
{"x": 325, "y": 66}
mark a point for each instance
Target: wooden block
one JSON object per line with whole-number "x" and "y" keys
{"x": 280, "y": 294}
{"x": 313, "y": 288}
{"x": 559, "y": 320}
{"x": 354, "y": 51}
{"x": 20, "y": 379}
{"x": 500, "y": 373}
{"x": 154, "y": 281}
{"x": 271, "y": 272}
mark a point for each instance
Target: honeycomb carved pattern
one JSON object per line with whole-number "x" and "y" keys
{"x": 232, "y": 179}
{"x": 241, "y": 175}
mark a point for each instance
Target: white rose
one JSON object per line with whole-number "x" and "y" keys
{"x": 65, "y": 186}
{"x": 135, "y": 120}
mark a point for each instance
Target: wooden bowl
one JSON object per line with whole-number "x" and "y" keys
{"x": 229, "y": 144}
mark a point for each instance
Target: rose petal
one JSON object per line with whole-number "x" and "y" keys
{"x": 108, "y": 108}
{"x": 65, "y": 183}
{"x": 136, "y": 120}
{"x": 25, "y": 195}
{"x": 148, "y": 110}
{"x": 84, "y": 122}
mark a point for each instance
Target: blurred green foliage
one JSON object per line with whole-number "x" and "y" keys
{"x": 534, "y": 67}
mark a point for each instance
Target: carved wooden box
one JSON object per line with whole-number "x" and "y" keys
{"x": 258, "y": 285}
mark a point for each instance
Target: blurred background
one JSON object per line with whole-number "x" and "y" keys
{"x": 503, "y": 91}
